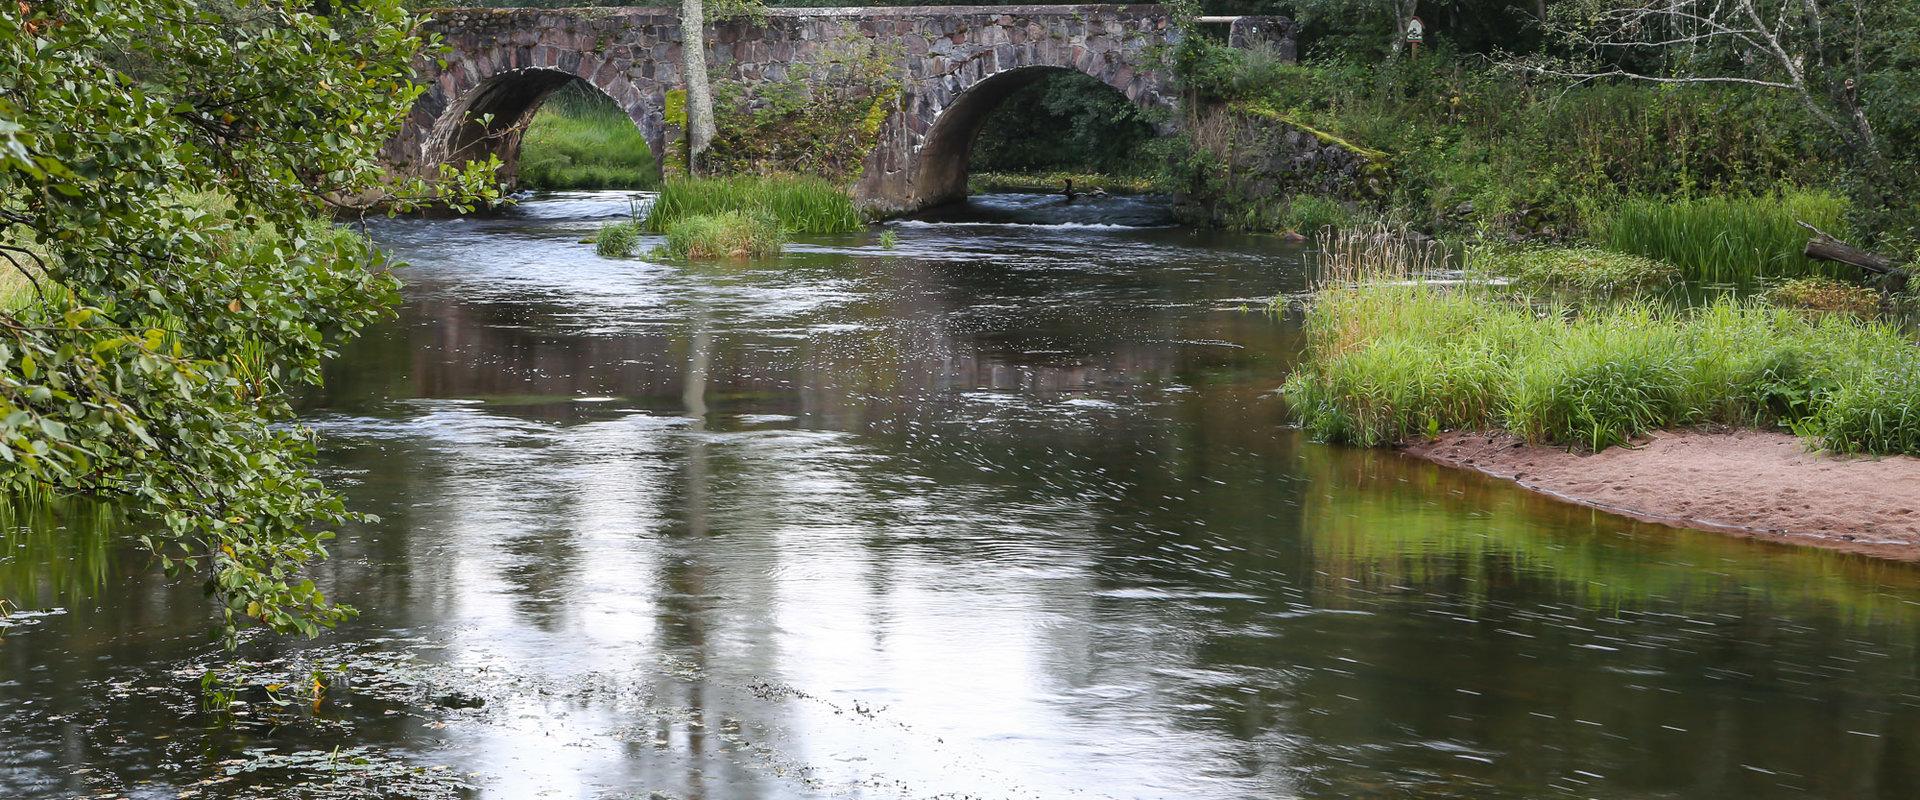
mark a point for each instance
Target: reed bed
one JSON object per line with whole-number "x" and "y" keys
{"x": 1735, "y": 241}
{"x": 1376, "y": 253}
{"x": 1391, "y": 359}
{"x": 800, "y": 205}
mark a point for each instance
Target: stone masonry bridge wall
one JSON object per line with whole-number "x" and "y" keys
{"x": 958, "y": 63}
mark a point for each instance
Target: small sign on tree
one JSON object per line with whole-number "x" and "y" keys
{"x": 1416, "y": 33}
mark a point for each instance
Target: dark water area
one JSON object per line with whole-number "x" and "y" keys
{"x": 1006, "y": 511}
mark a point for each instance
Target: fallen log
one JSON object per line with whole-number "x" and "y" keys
{"x": 1824, "y": 247}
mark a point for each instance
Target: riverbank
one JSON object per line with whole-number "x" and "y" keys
{"x": 1756, "y": 483}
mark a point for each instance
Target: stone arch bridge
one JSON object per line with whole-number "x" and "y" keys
{"x": 958, "y": 63}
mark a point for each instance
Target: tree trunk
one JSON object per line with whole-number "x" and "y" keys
{"x": 693, "y": 49}
{"x": 1823, "y": 247}
{"x": 1402, "y": 15}
{"x": 1827, "y": 248}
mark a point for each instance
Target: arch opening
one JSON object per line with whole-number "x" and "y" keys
{"x": 569, "y": 121}
{"x": 1030, "y": 119}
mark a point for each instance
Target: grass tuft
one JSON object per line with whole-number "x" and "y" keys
{"x": 800, "y": 205}
{"x": 617, "y": 239}
{"x": 1376, "y": 253}
{"x": 726, "y": 235}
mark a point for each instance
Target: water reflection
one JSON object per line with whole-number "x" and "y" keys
{"x": 1003, "y": 512}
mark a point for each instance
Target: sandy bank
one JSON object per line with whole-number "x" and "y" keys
{"x": 1752, "y": 483}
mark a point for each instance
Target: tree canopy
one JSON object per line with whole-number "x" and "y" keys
{"x": 167, "y": 169}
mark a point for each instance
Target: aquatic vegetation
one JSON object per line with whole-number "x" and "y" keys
{"x": 1825, "y": 295}
{"x": 800, "y": 205}
{"x": 581, "y": 140}
{"x": 889, "y": 240}
{"x": 1726, "y": 240}
{"x": 617, "y": 239}
{"x": 1387, "y": 363}
{"x": 343, "y": 774}
{"x": 1584, "y": 270}
{"x": 726, "y": 235}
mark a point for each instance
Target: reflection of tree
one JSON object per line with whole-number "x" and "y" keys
{"x": 1552, "y": 639}
{"x": 57, "y": 552}
{"x": 1395, "y": 521}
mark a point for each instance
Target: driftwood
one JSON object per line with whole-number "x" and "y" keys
{"x": 1824, "y": 247}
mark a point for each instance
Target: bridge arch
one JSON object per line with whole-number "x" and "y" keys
{"x": 482, "y": 101}
{"x": 947, "y": 148}
{"x": 492, "y": 118}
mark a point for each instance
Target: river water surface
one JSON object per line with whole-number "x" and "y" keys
{"x": 1006, "y": 511}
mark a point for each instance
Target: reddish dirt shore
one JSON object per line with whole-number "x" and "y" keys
{"x": 1761, "y": 484}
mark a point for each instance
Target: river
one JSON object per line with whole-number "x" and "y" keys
{"x": 1008, "y": 510}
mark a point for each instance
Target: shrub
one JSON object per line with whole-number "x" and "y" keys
{"x": 802, "y": 205}
{"x": 729, "y": 234}
{"x": 1825, "y": 295}
{"x": 617, "y": 239}
{"x": 1725, "y": 240}
{"x": 1577, "y": 269}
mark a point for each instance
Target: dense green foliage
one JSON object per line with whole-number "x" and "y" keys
{"x": 1476, "y": 149}
{"x": 1388, "y": 363}
{"x": 726, "y": 235}
{"x": 1067, "y": 121}
{"x": 800, "y": 205}
{"x": 1483, "y": 141}
{"x": 1738, "y": 240}
{"x": 165, "y": 167}
{"x": 581, "y": 140}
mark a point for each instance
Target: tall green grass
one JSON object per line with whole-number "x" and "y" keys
{"x": 617, "y": 239}
{"x": 727, "y": 235}
{"x": 581, "y": 140}
{"x": 1736, "y": 241}
{"x": 803, "y": 205}
{"x": 1388, "y": 363}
